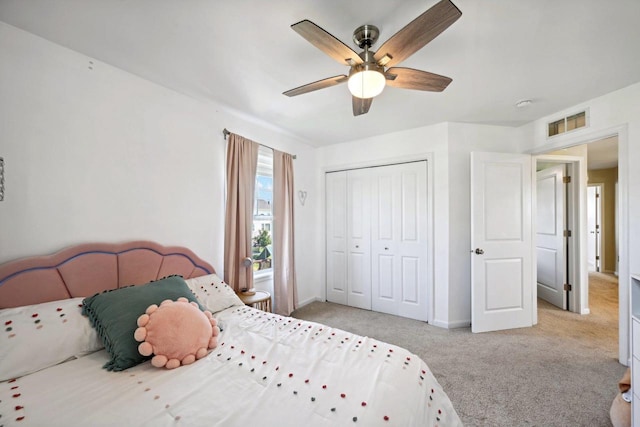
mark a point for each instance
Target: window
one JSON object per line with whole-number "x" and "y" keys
{"x": 263, "y": 213}
{"x": 567, "y": 124}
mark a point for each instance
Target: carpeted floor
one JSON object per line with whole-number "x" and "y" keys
{"x": 562, "y": 372}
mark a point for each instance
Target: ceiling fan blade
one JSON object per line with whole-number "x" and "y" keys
{"x": 320, "y": 84}
{"x": 360, "y": 105}
{"x": 417, "y": 33}
{"x": 408, "y": 78}
{"x": 327, "y": 43}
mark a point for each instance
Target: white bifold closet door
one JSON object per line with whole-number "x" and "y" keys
{"x": 377, "y": 239}
{"x": 348, "y": 238}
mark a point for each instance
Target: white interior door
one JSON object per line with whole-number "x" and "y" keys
{"x": 593, "y": 227}
{"x": 399, "y": 240}
{"x": 337, "y": 238}
{"x": 359, "y": 238}
{"x": 550, "y": 240}
{"x": 501, "y": 239}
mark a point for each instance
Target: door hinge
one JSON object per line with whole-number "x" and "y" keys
{"x": 597, "y": 195}
{"x": 566, "y": 179}
{"x": 597, "y": 257}
{"x": 567, "y": 287}
{"x": 567, "y": 233}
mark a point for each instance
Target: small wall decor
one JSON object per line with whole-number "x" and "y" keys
{"x": 1, "y": 179}
{"x": 302, "y": 195}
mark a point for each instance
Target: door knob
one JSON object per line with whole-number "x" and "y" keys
{"x": 479, "y": 251}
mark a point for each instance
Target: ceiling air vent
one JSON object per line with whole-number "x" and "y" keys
{"x": 567, "y": 124}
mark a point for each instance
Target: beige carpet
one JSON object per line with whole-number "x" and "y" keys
{"x": 562, "y": 372}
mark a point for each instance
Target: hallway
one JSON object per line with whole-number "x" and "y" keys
{"x": 599, "y": 329}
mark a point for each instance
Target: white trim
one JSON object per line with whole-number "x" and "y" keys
{"x": 534, "y": 232}
{"x": 307, "y": 302}
{"x": 577, "y": 220}
{"x": 382, "y": 162}
{"x": 452, "y": 325}
{"x": 262, "y": 275}
{"x": 565, "y": 140}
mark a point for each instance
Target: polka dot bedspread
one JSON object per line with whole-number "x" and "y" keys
{"x": 267, "y": 370}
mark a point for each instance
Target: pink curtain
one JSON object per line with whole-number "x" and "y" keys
{"x": 284, "y": 271}
{"x": 242, "y": 161}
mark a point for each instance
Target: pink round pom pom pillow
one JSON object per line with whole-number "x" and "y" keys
{"x": 176, "y": 333}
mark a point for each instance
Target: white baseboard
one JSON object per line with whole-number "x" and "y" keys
{"x": 438, "y": 323}
{"x": 451, "y": 325}
{"x": 308, "y": 301}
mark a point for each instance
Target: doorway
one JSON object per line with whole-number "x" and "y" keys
{"x": 600, "y": 215}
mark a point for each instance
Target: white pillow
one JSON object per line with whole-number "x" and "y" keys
{"x": 38, "y": 336}
{"x": 213, "y": 293}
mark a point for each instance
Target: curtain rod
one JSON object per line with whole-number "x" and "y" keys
{"x": 226, "y": 132}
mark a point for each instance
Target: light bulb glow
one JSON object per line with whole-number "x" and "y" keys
{"x": 366, "y": 83}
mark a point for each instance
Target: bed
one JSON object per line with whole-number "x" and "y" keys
{"x": 265, "y": 370}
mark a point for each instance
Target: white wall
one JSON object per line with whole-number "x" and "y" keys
{"x": 93, "y": 153}
{"x": 449, "y": 145}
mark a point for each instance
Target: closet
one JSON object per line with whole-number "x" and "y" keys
{"x": 376, "y": 239}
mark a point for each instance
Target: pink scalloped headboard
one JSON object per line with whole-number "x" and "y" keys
{"x": 86, "y": 269}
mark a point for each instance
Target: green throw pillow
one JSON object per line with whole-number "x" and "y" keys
{"x": 114, "y": 315}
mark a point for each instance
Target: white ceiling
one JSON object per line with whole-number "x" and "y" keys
{"x": 243, "y": 54}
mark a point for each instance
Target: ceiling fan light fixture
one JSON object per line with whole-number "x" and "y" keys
{"x": 366, "y": 83}
{"x": 367, "y": 75}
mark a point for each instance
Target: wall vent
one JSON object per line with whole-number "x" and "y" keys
{"x": 567, "y": 124}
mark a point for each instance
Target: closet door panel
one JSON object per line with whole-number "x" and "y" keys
{"x": 385, "y": 288}
{"x": 407, "y": 246}
{"x": 359, "y": 238}
{"x": 357, "y": 275}
{"x": 385, "y": 226}
{"x": 384, "y": 205}
{"x": 414, "y": 247}
{"x": 410, "y": 280}
{"x": 337, "y": 238}
{"x": 410, "y": 212}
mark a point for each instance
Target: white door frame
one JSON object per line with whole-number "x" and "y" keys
{"x": 576, "y": 168}
{"x": 586, "y": 137}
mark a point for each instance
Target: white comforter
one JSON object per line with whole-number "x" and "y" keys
{"x": 267, "y": 370}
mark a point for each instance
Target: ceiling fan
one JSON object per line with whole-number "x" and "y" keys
{"x": 370, "y": 71}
